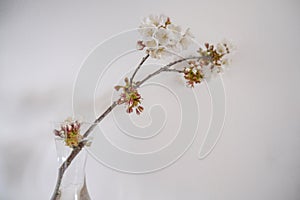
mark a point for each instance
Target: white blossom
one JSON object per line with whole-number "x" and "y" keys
{"x": 226, "y": 61}
{"x": 175, "y": 33}
{"x": 160, "y": 35}
{"x": 150, "y": 24}
{"x": 158, "y": 53}
{"x": 173, "y": 27}
{"x": 221, "y": 48}
{"x": 184, "y": 43}
{"x": 174, "y": 38}
{"x": 151, "y": 43}
{"x": 195, "y": 70}
{"x": 154, "y": 21}
{"x": 147, "y": 32}
{"x": 185, "y": 40}
{"x": 229, "y": 45}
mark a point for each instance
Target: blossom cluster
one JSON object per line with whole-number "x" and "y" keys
{"x": 192, "y": 73}
{"x": 213, "y": 60}
{"x": 130, "y": 97}
{"x": 70, "y": 132}
{"x": 160, "y": 36}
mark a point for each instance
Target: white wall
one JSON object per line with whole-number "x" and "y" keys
{"x": 44, "y": 42}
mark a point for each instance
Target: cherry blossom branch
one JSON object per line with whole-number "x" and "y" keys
{"x": 211, "y": 60}
{"x": 138, "y": 67}
{"x": 77, "y": 149}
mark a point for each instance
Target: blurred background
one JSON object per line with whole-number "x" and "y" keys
{"x": 43, "y": 44}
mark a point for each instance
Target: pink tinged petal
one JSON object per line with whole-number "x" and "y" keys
{"x": 137, "y": 112}
{"x": 129, "y": 110}
{"x": 62, "y": 133}
{"x": 56, "y": 132}
{"x": 69, "y": 127}
{"x": 64, "y": 127}
{"x": 140, "y": 108}
{"x": 140, "y": 45}
{"x": 130, "y": 102}
{"x": 75, "y": 126}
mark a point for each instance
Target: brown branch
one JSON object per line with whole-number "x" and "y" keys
{"x": 138, "y": 67}
{"x": 174, "y": 70}
{"x": 165, "y": 68}
{"x": 99, "y": 119}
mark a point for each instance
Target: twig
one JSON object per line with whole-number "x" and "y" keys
{"x": 99, "y": 119}
{"x": 165, "y": 68}
{"x": 173, "y": 70}
{"x": 138, "y": 67}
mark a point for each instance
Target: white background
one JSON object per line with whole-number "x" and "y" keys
{"x": 42, "y": 45}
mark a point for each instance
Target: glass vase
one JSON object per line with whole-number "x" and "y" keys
{"x": 71, "y": 184}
